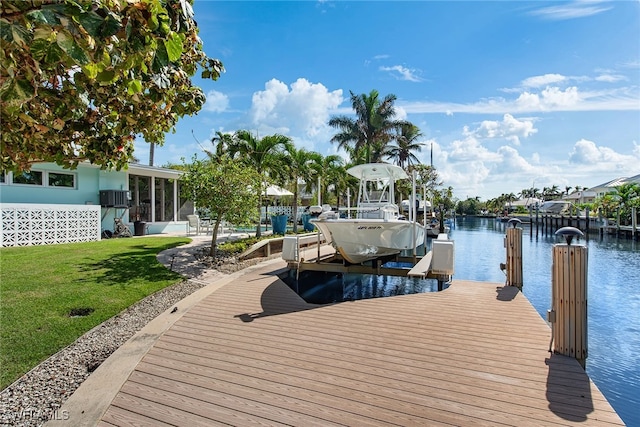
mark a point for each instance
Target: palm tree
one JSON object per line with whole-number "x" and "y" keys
{"x": 300, "y": 166}
{"x": 374, "y": 124}
{"x": 330, "y": 169}
{"x": 628, "y": 196}
{"x": 221, "y": 143}
{"x": 262, "y": 154}
{"x": 406, "y": 144}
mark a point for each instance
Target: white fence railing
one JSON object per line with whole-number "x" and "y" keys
{"x": 36, "y": 224}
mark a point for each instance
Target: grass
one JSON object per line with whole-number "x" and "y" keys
{"x": 42, "y": 287}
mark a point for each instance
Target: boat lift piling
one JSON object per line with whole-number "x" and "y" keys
{"x": 513, "y": 245}
{"x": 568, "y": 313}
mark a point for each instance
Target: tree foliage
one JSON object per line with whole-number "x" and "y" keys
{"x": 225, "y": 188}
{"x": 372, "y": 129}
{"x": 264, "y": 155}
{"x": 80, "y": 79}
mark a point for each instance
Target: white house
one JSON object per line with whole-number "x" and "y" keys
{"x": 608, "y": 187}
{"x": 50, "y": 204}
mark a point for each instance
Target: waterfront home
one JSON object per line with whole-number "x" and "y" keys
{"x": 50, "y": 204}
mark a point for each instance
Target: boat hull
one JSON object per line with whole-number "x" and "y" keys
{"x": 434, "y": 230}
{"x": 360, "y": 240}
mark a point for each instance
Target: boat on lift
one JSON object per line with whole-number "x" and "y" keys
{"x": 376, "y": 229}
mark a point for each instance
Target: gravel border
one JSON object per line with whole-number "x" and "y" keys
{"x": 35, "y": 398}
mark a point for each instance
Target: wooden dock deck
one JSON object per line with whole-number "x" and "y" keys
{"x": 254, "y": 353}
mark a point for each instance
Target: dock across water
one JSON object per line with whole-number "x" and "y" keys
{"x": 252, "y": 352}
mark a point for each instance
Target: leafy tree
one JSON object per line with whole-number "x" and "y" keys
{"x": 225, "y": 188}
{"x": 607, "y": 203}
{"x": 80, "y": 79}
{"x": 261, "y": 154}
{"x": 331, "y": 171}
{"x": 221, "y": 143}
{"x": 471, "y": 206}
{"x": 406, "y": 144}
{"x": 444, "y": 202}
{"x": 628, "y": 196}
{"x": 299, "y": 166}
{"x": 373, "y": 126}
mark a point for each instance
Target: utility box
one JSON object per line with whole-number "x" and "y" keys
{"x": 114, "y": 198}
{"x": 442, "y": 262}
{"x": 290, "y": 248}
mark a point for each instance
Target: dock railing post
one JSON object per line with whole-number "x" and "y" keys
{"x": 568, "y": 313}
{"x": 513, "y": 243}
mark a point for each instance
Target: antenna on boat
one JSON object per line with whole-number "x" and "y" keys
{"x": 432, "y": 154}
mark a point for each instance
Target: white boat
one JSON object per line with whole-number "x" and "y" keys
{"x": 377, "y": 229}
{"x": 433, "y": 228}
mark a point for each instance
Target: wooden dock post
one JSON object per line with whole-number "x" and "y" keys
{"x": 568, "y": 314}
{"x": 513, "y": 243}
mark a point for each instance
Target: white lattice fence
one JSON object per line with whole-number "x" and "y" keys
{"x": 32, "y": 224}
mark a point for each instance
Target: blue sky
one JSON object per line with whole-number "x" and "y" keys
{"x": 509, "y": 94}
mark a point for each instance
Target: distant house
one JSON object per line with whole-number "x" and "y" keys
{"x": 579, "y": 197}
{"x": 529, "y": 202}
{"x": 50, "y": 204}
{"x": 610, "y": 186}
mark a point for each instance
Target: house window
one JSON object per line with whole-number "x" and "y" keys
{"x": 3, "y": 177}
{"x": 57, "y": 179}
{"x": 28, "y": 177}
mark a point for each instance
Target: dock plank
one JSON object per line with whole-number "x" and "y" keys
{"x": 253, "y": 352}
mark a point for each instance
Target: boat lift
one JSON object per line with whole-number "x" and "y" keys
{"x": 436, "y": 264}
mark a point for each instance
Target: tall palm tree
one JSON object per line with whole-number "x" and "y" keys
{"x": 406, "y": 144}
{"x": 374, "y": 123}
{"x": 262, "y": 154}
{"x": 221, "y": 143}
{"x": 300, "y": 166}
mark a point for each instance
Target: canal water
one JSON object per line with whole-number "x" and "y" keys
{"x": 613, "y": 361}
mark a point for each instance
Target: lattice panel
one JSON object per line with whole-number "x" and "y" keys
{"x": 26, "y": 225}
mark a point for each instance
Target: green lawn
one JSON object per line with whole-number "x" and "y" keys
{"x": 41, "y": 285}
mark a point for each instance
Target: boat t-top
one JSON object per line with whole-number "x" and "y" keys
{"x": 374, "y": 228}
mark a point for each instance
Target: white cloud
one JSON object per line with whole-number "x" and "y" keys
{"x": 544, "y": 80}
{"x": 470, "y": 148}
{"x": 551, "y": 98}
{"x": 509, "y": 128}
{"x": 576, "y": 9}
{"x": 610, "y": 78}
{"x": 402, "y": 73}
{"x": 535, "y": 158}
{"x": 401, "y": 113}
{"x": 587, "y": 153}
{"x": 299, "y": 111}
{"x": 217, "y": 102}
{"x": 512, "y": 162}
